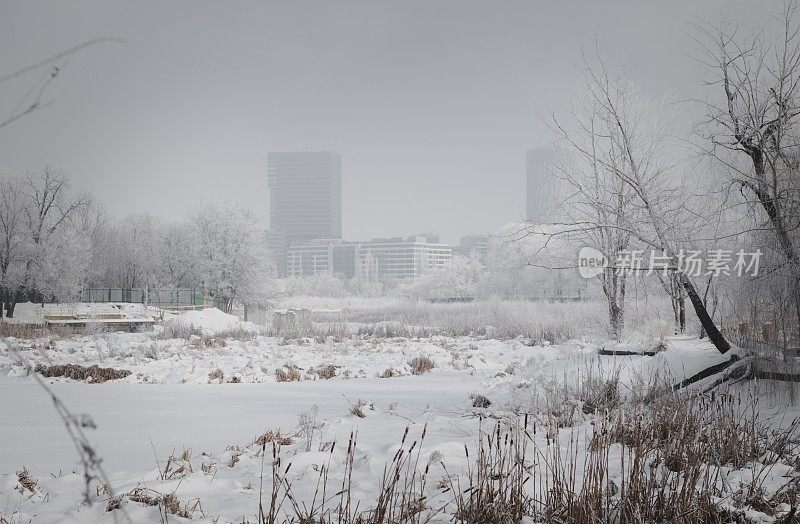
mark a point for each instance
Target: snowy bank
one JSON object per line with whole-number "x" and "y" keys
{"x": 208, "y": 322}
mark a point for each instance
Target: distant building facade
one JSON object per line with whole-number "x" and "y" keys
{"x": 305, "y": 194}
{"x": 277, "y": 245}
{"x": 377, "y": 259}
{"x": 542, "y": 187}
{"x": 400, "y": 258}
{"x": 305, "y": 201}
{"x": 476, "y": 245}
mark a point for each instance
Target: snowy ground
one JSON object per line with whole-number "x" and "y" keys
{"x": 175, "y": 399}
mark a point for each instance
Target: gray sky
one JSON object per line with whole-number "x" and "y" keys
{"x": 431, "y": 104}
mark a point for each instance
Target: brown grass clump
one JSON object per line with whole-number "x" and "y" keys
{"x": 666, "y": 461}
{"x": 601, "y": 394}
{"x": 671, "y": 455}
{"x": 357, "y": 408}
{"x": 215, "y": 341}
{"x": 401, "y": 497}
{"x": 421, "y": 365}
{"x": 235, "y": 380}
{"x": 273, "y": 436}
{"x": 496, "y": 478}
{"x": 177, "y": 466}
{"x": 29, "y": 332}
{"x": 234, "y": 458}
{"x": 209, "y": 468}
{"x": 326, "y": 372}
{"x": 94, "y": 374}
{"x": 169, "y": 502}
{"x": 26, "y": 481}
{"x": 287, "y": 373}
{"x": 217, "y": 375}
{"x": 717, "y": 429}
{"x": 590, "y": 392}
{"x": 479, "y": 401}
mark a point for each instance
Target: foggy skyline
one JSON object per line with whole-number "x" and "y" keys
{"x": 430, "y": 105}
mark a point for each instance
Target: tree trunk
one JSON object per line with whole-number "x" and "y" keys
{"x": 10, "y": 305}
{"x": 714, "y": 334}
{"x": 614, "y": 289}
{"x": 705, "y": 301}
{"x": 616, "y": 321}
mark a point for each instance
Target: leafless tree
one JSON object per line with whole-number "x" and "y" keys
{"x": 12, "y": 238}
{"x": 628, "y": 139}
{"x": 231, "y": 255}
{"x": 753, "y": 126}
{"x": 35, "y": 211}
{"x": 598, "y": 205}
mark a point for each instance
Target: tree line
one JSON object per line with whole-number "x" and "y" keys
{"x": 55, "y": 241}
{"x": 638, "y": 177}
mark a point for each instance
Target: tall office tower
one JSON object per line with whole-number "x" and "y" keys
{"x": 305, "y": 194}
{"x": 542, "y": 185}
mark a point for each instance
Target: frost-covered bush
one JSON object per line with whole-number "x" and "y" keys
{"x": 287, "y": 373}
{"x": 421, "y": 365}
{"x": 323, "y": 285}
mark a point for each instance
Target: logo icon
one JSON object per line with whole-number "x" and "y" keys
{"x": 591, "y": 262}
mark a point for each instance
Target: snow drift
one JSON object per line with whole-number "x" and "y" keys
{"x": 208, "y": 322}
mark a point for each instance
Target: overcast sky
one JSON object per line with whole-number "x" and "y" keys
{"x": 431, "y": 104}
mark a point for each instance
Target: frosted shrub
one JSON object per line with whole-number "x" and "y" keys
{"x": 287, "y": 373}
{"x": 421, "y": 365}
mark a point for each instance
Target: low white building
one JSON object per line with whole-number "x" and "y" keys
{"x": 379, "y": 259}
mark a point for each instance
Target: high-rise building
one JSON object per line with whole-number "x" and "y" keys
{"x": 305, "y": 195}
{"x": 542, "y": 185}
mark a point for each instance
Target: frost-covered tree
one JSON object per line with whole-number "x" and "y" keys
{"x": 177, "y": 255}
{"x": 13, "y": 243}
{"x": 753, "y": 131}
{"x": 40, "y": 216}
{"x": 65, "y": 266}
{"x": 325, "y": 284}
{"x": 457, "y": 279}
{"x": 140, "y": 256}
{"x": 97, "y": 225}
{"x": 598, "y": 208}
{"x": 232, "y": 260}
{"x": 528, "y": 261}
{"x": 630, "y": 139}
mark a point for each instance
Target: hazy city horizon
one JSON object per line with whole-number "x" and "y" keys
{"x": 399, "y": 262}
{"x": 425, "y": 103}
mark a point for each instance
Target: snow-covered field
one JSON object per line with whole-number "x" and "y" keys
{"x": 213, "y": 395}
